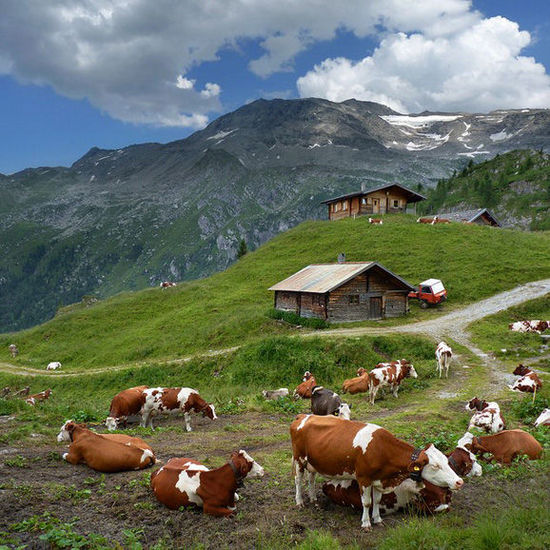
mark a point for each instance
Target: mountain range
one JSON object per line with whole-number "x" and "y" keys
{"x": 129, "y": 218}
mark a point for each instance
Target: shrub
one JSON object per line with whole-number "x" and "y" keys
{"x": 295, "y": 319}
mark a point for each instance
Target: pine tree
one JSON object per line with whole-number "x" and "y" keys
{"x": 243, "y": 249}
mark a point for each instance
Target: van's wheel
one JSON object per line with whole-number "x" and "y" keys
{"x": 423, "y": 305}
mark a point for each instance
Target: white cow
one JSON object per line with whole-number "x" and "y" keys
{"x": 54, "y": 365}
{"x": 543, "y": 419}
{"x": 443, "y": 354}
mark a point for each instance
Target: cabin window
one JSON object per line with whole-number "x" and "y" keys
{"x": 396, "y": 204}
{"x": 345, "y": 205}
{"x": 353, "y": 298}
{"x": 363, "y": 201}
{"x": 336, "y": 205}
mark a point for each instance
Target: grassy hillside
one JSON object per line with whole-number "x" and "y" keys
{"x": 230, "y": 308}
{"x": 516, "y": 186}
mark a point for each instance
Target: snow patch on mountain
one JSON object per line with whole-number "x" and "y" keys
{"x": 420, "y": 121}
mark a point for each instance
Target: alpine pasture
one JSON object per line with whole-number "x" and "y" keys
{"x": 215, "y": 335}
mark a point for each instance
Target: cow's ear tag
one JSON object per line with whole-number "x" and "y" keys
{"x": 416, "y": 468}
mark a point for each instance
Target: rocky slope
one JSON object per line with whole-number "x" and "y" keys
{"x": 128, "y": 218}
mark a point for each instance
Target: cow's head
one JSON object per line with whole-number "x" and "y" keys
{"x": 246, "y": 465}
{"x": 411, "y": 371}
{"x": 544, "y": 418}
{"x": 113, "y": 423}
{"x": 471, "y": 443}
{"x": 464, "y": 463}
{"x": 361, "y": 371}
{"x": 66, "y": 433}
{"x": 521, "y": 370}
{"x": 476, "y": 404}
{"x": 344, "y": 411}
{"x": 306, "y": 387}
{"x": 435, "y": 469}
{"x": 307, "y": 376}
{"x": 47, "y": 393}
{"x": 209, "y": 411}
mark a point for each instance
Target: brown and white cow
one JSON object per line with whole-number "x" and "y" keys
{"x": 487, "y": 416}
{"x": 443, "y": 354}
{"x": 167, "y": 284}
{"x": 537, "y": 326}
{"x": 346, "y": 449}
{"x": 304, "y": 389}
{"x": 23, "y": 392}
{"x": 174, "y": 400}
{"x": 101, "y": 453}
{"x": 359, "y": 384}
{"x": 528, "y": 383}
{"x": 442, "y": 220}
{"x": 376, "y": 221}
{"x": 389, "y": 374}
{"x": 543, "y": 419}
{"x": 14, "y": 350}
{"x": 424, "y": 496}
{"x": 37, "y": 397}
{"x": 53, "y": 365}
{"x": 503, "y": 446}
{"x": 124, "y": 405}
{"x": 185, "y": 482}
{"x": 430, "y": 221}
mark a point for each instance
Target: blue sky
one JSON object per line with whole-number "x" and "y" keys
{"x": 109, "y": 74}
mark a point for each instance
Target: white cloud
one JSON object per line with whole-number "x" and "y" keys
{"x": 131, "y": 58}
{"x": 477, "y": 68}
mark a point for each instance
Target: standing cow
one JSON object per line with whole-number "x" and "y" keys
{"x": 174, "y": 400}
{"x": 14, "y": 350}
{"x": 124, "y": 405}
{"x": 443, "y": 354}
{"x": 346, "y": 449}
{"x": 389, "y": 374}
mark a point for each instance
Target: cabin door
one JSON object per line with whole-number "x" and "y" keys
{"x": 375, "y": 308}
{"x": 376, "y": 206}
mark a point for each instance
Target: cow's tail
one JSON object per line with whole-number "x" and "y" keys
{"x": 535, "y": 393}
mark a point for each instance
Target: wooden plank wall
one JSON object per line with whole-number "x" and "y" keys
{"x": 313, "y": 305}
{"x": 286, "y": 301}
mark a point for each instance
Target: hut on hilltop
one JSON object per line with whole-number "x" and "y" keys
{"x": 349, "y": 291}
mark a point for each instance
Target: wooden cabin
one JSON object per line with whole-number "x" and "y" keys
{"x": 350, "y": 291}
{"x": 481, "y": 216}
{"x": 387, "y": 199}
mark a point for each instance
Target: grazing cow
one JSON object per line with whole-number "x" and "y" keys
{"x": 21, "y": 393}
{"x": 101, "y": 453}
{"x": 124, "y": 405}
{"x": 543, "y": 419}
{"x": 14, "y": 350}
{"x": 443, "y": 354}
{"x": 389, "y": 374}
{"x": 54, "y": 365}
{"x": 359, "y": 384}
{"x": 441, "y": 220}
{"x": 425, "y": 496}
{"x": 325, "y": 401}
{"x": 487, "y": 416}
{"x": 275, "y": 394}
{"x": 431, "y": 221}
{"x": 503, "y": 446}
{"x": 376, "y": 221}
{"x": 174, "y": 400}
{"x": 5, "y": 391}
{"x": 529, "y": 326}
{"x": 528, "y": 383}
{"x": 37, "y": 397}
{"x": 303, "y": 390}
{"x": 337, "y": 448}
{"x": 167, "y": 284}
{"x": 185, "y": 482}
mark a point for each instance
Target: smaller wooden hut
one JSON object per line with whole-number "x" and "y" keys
{"x": 481, "y": 216}
{"x": 350, "y": 291}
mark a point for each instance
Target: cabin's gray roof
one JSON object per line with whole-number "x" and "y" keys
{"x": 414, "y": 196}
{"x": 468, "y": 215}
{"x": 321, "y": 278}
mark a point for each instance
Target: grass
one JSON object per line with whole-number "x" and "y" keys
{"x": 229, "y": 308}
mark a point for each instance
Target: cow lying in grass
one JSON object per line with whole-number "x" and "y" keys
{"x": 185, "y": 482}
{"x": 424, "y": 496}
{"x": 529, "y": 326}
{"x": 275, "y": 394}
{"x": 359, "y": 384}
{"x": 174, "y": 400}
{"x": 389, "y": 374}
{"x": 504, "y": 446}
{"x": 37, "y": 397}
{"x": 104, "y": 453}
{"x": 346, "y": 449}
{"x": 487, "y": 416}
{"x": 528, "y": 382}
